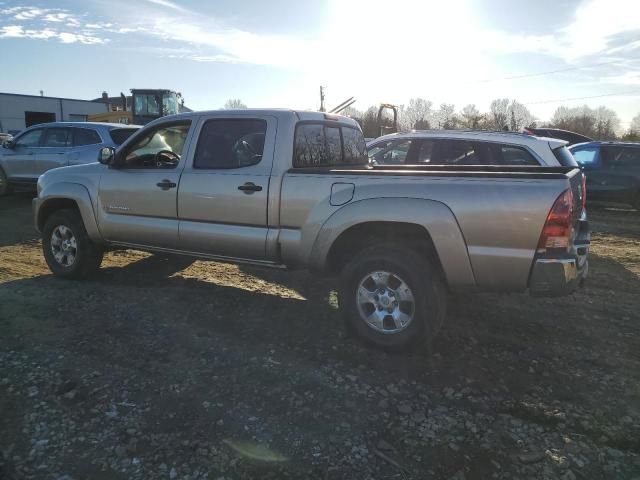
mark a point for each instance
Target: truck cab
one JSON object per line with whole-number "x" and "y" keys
{"x": 150, "y": 104}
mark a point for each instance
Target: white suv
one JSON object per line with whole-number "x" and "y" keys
{"x": 461, "y": 147}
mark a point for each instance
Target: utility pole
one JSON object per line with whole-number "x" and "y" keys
{"x": 322, "y": 109}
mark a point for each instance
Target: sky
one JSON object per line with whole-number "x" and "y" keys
{"x": 276, "y": 53}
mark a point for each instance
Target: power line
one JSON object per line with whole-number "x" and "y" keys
{"x": 624, "y": 94}
{"x": 548, "y": 72}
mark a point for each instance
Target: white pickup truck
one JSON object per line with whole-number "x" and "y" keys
{"x": 290, "y": 189}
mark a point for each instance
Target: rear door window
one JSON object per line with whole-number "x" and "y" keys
{"x": 457, "y": 152}
{"x": 425, "y": 151}
{"x": 620, "y": 156}
{"x": 85, "y": 136}
{"x": 233, "y": 143}
{"x": 512, "y": 155}
{"x": 56, "y": 137}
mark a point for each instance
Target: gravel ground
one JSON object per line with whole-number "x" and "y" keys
{"x": 173, "y": 369}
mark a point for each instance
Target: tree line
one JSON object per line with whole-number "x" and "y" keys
{"x": 599, "y": 123}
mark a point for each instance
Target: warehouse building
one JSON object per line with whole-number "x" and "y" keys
{"x": 18, "y": 112}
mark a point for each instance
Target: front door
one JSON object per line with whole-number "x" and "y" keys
{"x": 20, "y": 162}
{"x": 137, "y": 200}
{"x": 222, "y": 200}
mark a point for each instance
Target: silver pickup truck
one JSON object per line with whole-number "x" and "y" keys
{"x": 291, "y": 189}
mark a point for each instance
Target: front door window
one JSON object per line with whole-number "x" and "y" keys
{"x": 159, "y": 148}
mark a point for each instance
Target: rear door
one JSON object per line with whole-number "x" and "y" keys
{"x": 618, "y": 178}
{"x": 85, "y": 145}
{"x": 56, "y": 146}
{"x": 222, "y": 200}
{"x": 20, "y": 162}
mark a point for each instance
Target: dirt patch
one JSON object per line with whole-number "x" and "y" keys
{"x": 157, "y": 365}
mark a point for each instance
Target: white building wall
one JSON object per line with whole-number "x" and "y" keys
{"x": 13, "y": 108}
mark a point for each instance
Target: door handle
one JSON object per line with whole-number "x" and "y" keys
{"x": 250, "y": 187}
{"x": 166, "y": 184}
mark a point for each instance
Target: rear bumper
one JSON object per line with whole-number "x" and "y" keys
{"x": 557, "y": 277}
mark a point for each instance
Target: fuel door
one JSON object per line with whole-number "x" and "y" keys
{"x": 341, "y": 193}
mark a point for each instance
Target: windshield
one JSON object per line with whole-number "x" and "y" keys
{"x": 170, "y": 104}
{"x": 146, "y": 105}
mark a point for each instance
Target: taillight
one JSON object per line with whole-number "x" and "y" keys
{"x": 557, "y": 229}
{"x": 584, "y": 191}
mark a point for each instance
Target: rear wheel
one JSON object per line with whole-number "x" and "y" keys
{"x": 4, "y": 183}
{"x": 392, "y": 298}
{"x": 67, "y": 248}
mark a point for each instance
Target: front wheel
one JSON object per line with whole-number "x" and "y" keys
{"x": 67, "y": 248}
{"x": 392, "y": 298}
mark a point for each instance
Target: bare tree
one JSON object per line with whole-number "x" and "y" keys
{"x": 633, "y": 134}
{"x": 519, "y": 116}
{"x": 499, "y": 113}
{"x": 471, "y": 117}
{"x": 417, "y": 115}
{"x": 369, "y": 122}
{"x": 234, "y": 104}
{"x": 446, "y": 117}
{"x": 601, "y": 123}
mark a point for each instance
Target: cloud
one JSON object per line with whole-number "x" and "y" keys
{"x": 628, "y": 78}
{"x": 168, "y": 4}
{"x": 47, "y": 23}
{"x": 17, "y": 31}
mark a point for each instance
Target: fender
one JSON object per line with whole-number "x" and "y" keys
{"x": 68, "y": 191}
{"x": 435, "y": 217}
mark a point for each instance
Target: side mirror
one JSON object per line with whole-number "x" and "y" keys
{"x": 107, "y": 155}
{"x": 9, "y": 144}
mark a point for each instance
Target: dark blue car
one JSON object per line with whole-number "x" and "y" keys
{"x": 612, "y": 170}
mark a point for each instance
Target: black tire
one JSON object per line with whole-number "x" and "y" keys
{"x": 5, "y": 188}
{"x": 417, "y": 272}
{"x": 87, "y": 255}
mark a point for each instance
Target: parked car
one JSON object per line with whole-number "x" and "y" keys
{"x": 571, "y": 137}
{"x": 612, "y": 170}
{"x": 292, "y": 189}
{"x": 464, "y": 147}
{"x": 51, "y": 145}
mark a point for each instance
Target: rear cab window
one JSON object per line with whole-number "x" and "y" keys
{"x": 326, "y": 144}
